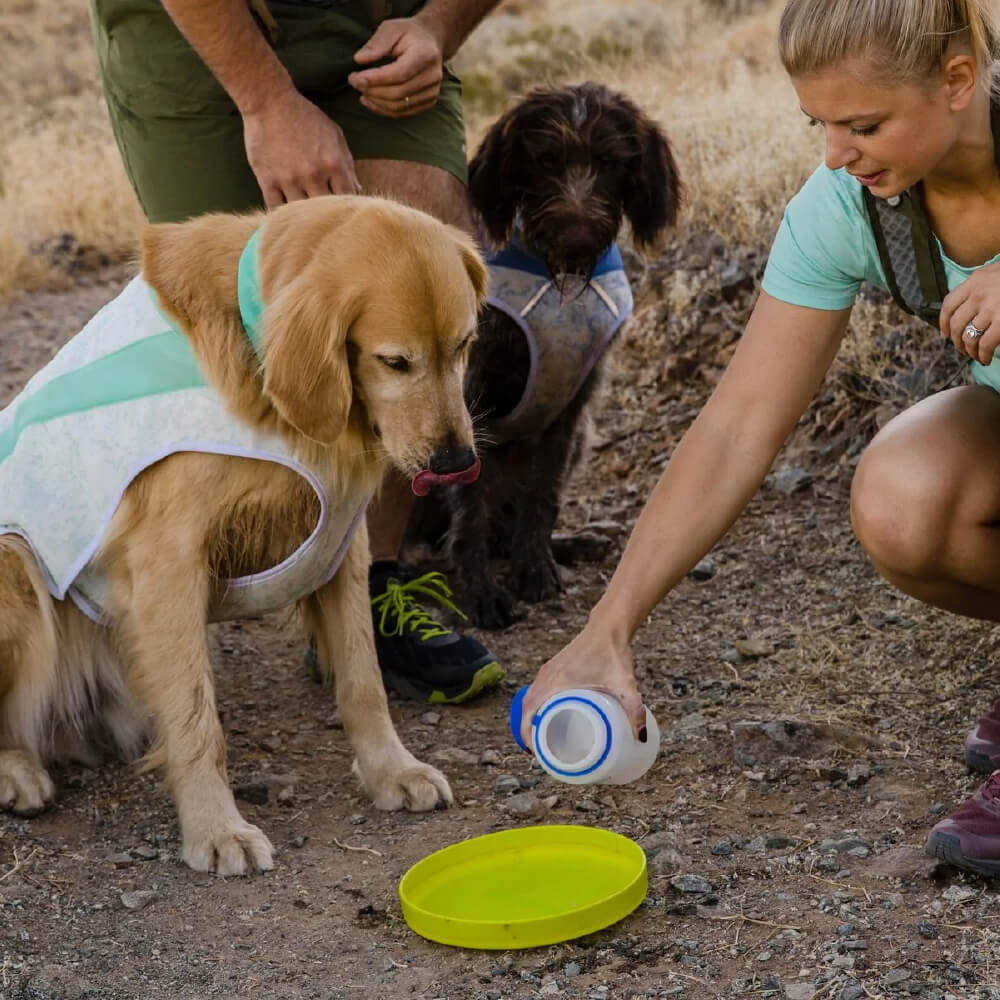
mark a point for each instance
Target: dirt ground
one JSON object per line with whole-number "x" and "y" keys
{"x": 812, "y": 725}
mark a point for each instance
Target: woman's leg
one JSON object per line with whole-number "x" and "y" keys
{"x": 925, "y": 502}
{"x": 926, "y": 507}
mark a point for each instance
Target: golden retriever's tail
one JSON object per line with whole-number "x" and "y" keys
{"x": 62, "y": 689}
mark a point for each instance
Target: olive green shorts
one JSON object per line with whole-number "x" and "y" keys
{"x": 181, "y": 137}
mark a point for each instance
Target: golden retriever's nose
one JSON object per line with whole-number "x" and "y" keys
{"x": 452, "y": 458}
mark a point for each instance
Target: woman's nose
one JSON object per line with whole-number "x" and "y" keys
{"x": 840, "y": 151}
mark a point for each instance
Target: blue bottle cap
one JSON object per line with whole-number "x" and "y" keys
{"x": 515, "y": 716}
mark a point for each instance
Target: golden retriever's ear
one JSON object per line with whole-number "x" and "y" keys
{"x": 476, "y": 269}
{"x": 306, "y": 373}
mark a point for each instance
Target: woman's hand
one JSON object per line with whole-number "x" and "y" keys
{"x": 975, "y": 302}
{"x": 591, "y": 660}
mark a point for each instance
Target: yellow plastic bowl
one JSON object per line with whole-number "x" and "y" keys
{"x": 524, "y": 888}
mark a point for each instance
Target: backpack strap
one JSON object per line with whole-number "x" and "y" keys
{"x": 907, "y": 247}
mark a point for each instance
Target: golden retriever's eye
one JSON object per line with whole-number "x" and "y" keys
{"x": 396, "y": 362}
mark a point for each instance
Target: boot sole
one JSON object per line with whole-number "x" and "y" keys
{"x": 484, "y": 678}
{"x": 979, "y": 763}
{"x": 947, "y": 847}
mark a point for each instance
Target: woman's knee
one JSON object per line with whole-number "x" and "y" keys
{"x": 899, "y": 509}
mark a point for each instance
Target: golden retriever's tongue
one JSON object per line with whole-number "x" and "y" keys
{"x": 424, "y": 480}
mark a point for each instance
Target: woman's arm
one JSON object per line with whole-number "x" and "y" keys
{"x": 713, "y": 474}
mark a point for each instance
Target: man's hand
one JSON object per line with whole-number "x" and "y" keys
{"x": 296, "y": 151}
{"x": 409, "y": 84}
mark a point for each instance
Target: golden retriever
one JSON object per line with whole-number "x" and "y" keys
{"x": 368, "y": 311}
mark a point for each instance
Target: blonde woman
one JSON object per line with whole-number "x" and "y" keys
{"x": 901, "y": 90}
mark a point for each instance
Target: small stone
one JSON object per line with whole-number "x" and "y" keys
{"x": 598, "y": 993}
{"x": 691, "y": 883}
{"x": 145, "y": 852}
{"x": 272, "y": 744}
{"x": 286, "y": 796}
{"x": 852, "y": 991}
{"x": 139, "y": 899}
{"x": 454, "y": 755}
{"x": 789, "y": 479}
{"x": 723, "y": 848}
{"x": 549, "y": 990}
{"x": 490, "y": 758}
{"x": 896, "y": 976}
{"x": 356, "y": 819}
{"x": 529, "y": 804}
{"x": 334, "y": 721}
{"x": 703, "y": 570}
{"x": 507, "y": 783}
{"x": 927, "y": 930}
{"x": 430, "y": 718}
{"x": 800, "y": 991}
{"x": 958, "y": 894}
{"x": 122, "y": 860}
{"x": 571, "y": 969}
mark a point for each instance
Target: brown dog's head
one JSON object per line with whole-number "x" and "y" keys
{"x": 571, "y": 163}
{"x": 369, "y": 309}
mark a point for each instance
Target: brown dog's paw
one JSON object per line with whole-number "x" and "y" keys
{"x": 410, "y": 785}
{"x": 235, "y": 848}
{"x": 25, "y": 786}
{"x": 489, "y": 606}
{"x": 537, "y": 580}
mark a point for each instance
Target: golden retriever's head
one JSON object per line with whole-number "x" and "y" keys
{"x": 369, "y": 310}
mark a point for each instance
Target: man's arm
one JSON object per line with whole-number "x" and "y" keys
{"x": 452, "y": 21}
{"x": 226, "y": 37}
{"x": 293, "y": 148}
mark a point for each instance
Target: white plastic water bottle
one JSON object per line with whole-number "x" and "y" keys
{"x": 584, "y": 737}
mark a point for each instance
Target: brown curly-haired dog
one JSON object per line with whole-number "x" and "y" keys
{"x": 552, "y": 183}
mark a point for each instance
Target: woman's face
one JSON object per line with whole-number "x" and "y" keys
{"x": 888, "y": 136}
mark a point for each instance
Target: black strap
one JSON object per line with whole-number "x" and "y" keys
{"x": 907, "y": 247}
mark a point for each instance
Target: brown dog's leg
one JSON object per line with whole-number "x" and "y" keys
{"x": 339, "y": 616}
{"x": 163, "y": 621}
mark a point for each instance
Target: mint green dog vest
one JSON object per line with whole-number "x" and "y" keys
{"x": 124, "y": 393}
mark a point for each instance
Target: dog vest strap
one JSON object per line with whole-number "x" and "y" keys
{"x": 248, "y": 291}
{"x": 907, "y": 247}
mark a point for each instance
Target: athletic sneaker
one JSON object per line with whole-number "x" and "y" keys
{"x": 982, "y": 745}
{"x": 970, "y": 837}
{"x": 419, "y": 657}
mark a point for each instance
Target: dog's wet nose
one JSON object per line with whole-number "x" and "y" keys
{"x": 452, "y": 458}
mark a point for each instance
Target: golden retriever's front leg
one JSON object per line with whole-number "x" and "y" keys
{"x": 163, "y": 620}
{"x": 339, "y": 616}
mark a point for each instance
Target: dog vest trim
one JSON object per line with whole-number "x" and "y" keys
{"x": 567, "y": 329}
{"x": 248, "y": 291}
{"x": 124, "y": 393}
{"x": 907, "y": 247}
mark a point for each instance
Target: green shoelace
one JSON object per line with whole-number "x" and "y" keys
{"x": 399, "y": 600}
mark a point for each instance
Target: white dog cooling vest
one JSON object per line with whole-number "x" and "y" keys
{"x": 567, "y": 329}
{"x": 124, "y": 393}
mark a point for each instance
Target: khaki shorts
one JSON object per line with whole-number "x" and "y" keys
{"x": 181, "y": 137}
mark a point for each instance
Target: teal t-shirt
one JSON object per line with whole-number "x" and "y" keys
{"x": 825, "y": 248}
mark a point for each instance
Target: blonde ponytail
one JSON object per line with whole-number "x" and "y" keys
{"x": 905, "y": 38}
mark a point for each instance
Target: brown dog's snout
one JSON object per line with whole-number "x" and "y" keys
{"x": 452, "y": 458}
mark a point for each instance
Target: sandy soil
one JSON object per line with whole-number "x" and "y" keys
{"x": 803, "y": 855}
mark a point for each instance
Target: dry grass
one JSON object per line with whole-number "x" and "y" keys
{"x": 711, "y": 78}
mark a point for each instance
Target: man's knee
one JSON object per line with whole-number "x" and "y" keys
{"x": 431, "y": 189}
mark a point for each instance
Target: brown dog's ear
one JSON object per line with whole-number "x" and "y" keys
{"x": 491, "y": 192}
{"x": 654, "y": 199}
{"x": 306, "y": 373}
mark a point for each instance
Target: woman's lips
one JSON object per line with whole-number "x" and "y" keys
{"x": 869, "y": 180}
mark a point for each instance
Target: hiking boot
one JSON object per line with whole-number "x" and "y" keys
{"x": 982, "y": 745}
{"x": 419, "y": 657}
{"x": 970, "y": 837}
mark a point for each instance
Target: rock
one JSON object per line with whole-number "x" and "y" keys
{"x": 549, "y": 990}
{"x": 723, "y": 848}
{"x": 529, "y": 804}
{"x": 430, "y": 718}
{"x": 753, "y": 649}
{"x": 959, "y": 894}
{"x": 53, "y": 982}
{"x": 571, "y": 970}
{"x": 903, "y": 863}
{"x": 121, "y": 860}
{"x": 490, "y": 758}
{"x": 789, "y": 479}
{"x": 927, "y": 930}
{"x": 846, "y": 845}
{"x": 896, "y": 976}
{"x": 506, "y": 783}
{"x": 145, "y": 852}
{"x": 764, "y": 742}
{"x": 852, "y": 991}
{"x": 139, "y": 899}
{"x": 703, "y": 570}
{"x": 733, "y": 280}
{"x": 800, "y": 991}
{"x": 691, "y": 883}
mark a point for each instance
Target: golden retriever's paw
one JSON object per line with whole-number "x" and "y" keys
{"x": 233, "y": 848}
{"x": 25, "y": 786}
{"x": 405, "y": 785}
